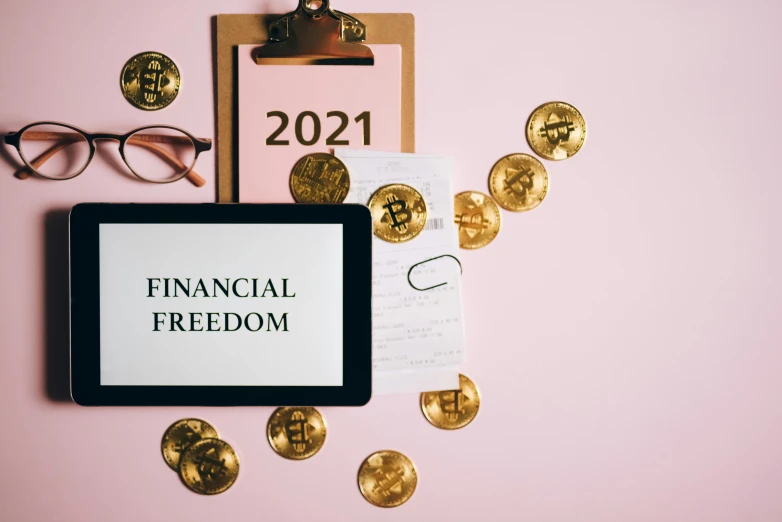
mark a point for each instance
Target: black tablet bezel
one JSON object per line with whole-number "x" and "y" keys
{"x": 85, "y": 305}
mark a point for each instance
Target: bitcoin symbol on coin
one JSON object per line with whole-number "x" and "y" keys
{"x": 556, "y": 130}
{"x": 150, "y": 81}
{"x": 474, "y": 222}
{"x": 188, "y": 437}
{"x": 452, "y": 409}
{"x": 389, "y": 482}
{"x": 319, "y": 178}
{"x": 452, "y": 404}
{"x": 402, "y": 209}
{"x": 477, "y": 217}
{"x": 208, "y": 465}
{"x": 518, "y": 182}
{"x": 296, "y": 433}
{"x": 387, "y": 478}
{"x": 153, "y": 81}
{"x": 398, "y": 212}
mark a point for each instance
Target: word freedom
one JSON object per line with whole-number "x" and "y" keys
{"x": 217, "y": 321}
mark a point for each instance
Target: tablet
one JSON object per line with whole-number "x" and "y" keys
{"x": 220, "y": 304}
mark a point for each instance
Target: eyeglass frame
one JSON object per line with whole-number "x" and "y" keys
{"x": 201, "y": 145}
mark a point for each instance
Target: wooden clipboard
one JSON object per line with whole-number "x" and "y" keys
{"x": 239, "y": 29}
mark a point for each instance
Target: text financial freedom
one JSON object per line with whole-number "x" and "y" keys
{"x": 217, "y": 321}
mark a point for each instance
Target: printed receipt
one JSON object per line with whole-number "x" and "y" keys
{"x": 417, "y": 336}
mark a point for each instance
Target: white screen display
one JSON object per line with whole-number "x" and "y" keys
{"x": 221, "y": 304}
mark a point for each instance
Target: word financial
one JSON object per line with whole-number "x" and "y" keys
{"x": 217, "y": 321}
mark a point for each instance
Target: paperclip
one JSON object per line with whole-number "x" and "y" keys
{"x": 426, "y": 261}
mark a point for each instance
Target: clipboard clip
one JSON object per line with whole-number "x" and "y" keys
{"x": 315, "y": 34}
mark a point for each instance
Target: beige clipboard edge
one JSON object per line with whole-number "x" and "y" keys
{"x": 240, "y": 29}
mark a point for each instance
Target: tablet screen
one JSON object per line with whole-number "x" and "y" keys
{"x": 241, "y": 304}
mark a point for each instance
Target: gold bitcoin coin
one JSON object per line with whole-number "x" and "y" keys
{"x": 209, "y": 466}
{"x": 556, "y": 130}
{"x": 320, "y": 178}
{"x": 478, "y": 218}
{"x": 518, "y": 182}
{"x": 387, "y": 478}
{"x": 398, "y": 212}
{"x": 182, "y": 434}
{"x": 452, "y": 409}
{"x": 150, "y": 81}
{"x": 296, "y": 433}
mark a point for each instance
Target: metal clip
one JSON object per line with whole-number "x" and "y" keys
{"x": 315, "y": 34}
{"x": 427, "y": 261}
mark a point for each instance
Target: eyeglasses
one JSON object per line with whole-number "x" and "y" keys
{"x": 155, "y": 153}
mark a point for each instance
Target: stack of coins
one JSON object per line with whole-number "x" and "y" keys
{"x": 206, "y": 464}
{"x": 518, "y": 182}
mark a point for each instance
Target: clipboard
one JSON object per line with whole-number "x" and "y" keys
{"x": 234, "y": 30}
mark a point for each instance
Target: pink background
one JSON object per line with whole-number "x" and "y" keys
{"x": 624, "y": 335}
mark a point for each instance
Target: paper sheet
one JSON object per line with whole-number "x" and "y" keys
{"x": 289, "y": 111}
{"x": 418, "y": 336}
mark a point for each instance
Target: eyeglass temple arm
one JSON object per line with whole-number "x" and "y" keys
{"x": 142, "y": 140}
{"x": 191, "y": 176}
{"x": 25, "y": 171}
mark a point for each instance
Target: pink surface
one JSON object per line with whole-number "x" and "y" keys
{"x": 264, "y": 170}
{"x": 624, "y": 335}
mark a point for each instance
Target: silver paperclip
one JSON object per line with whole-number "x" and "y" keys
{"x": 426, "y": 261}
